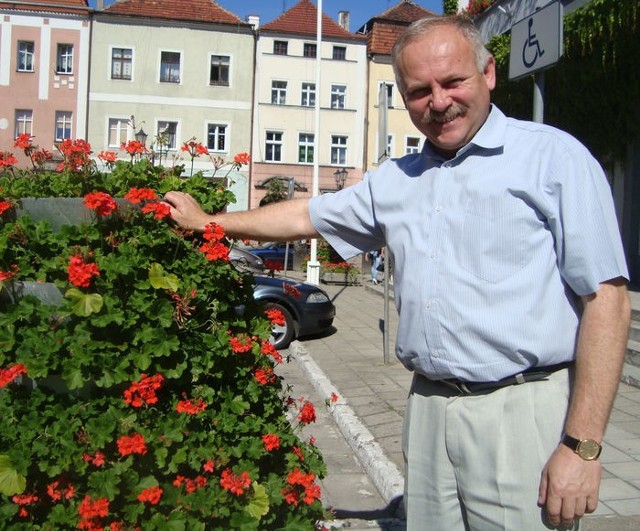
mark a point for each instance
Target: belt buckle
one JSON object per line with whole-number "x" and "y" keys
{"x": 458, "y": 386}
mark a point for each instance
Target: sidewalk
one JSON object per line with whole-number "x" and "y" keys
{"x": 366, "y": 422}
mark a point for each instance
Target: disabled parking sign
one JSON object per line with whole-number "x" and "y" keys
{"x": 536, "y": 41}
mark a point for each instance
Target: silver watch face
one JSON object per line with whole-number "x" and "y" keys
{"x": 588, "y": 449}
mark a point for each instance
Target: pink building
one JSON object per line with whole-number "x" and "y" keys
{"x": 44, "y": 58}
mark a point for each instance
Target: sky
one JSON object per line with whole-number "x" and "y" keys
{"x": 360, "y": 11}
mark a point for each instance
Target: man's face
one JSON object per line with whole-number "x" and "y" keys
{"x": 447, "y": 98}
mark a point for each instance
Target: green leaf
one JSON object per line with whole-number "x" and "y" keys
{"x": 259, "y": 505}
{"x": 11, "y": 482}
{"x": 147, "y": 482}
{"x": 239, "y": 406}
{"x": 160, "y": 280}
{"x": 84, "y": 304}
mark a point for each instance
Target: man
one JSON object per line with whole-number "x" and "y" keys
{"x": 510, "y": 282}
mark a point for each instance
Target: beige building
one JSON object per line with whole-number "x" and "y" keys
{"x": 177, "y": 70}
{"x": 286, "y": 90}
{"x": 402, "y": 137}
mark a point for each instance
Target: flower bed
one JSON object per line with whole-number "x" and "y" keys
{"x": 169, "y": 414}
{"x": 341, "y": 272}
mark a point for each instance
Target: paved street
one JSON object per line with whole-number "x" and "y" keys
{"x": 360, "y": 435}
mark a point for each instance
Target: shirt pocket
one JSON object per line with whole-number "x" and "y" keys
{"x": 494, "y": 238}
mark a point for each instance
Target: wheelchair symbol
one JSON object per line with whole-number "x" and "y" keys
{"x": 531, "y": 48}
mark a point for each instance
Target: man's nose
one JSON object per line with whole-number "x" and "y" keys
{"x": 440, "y": 100}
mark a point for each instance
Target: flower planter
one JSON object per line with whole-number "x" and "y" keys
{"x": 347, "y": 279}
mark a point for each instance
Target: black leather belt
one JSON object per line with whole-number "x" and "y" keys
{"x": 533, "y": 374}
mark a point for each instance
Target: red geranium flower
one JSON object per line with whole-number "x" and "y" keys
{"x": 307, "y": 413}
{"x": 81, "y": 272}
{"x": 7, "y": 159}
{"x": 215, "y": 251}
{"x": 151, "y": 495}
{"x": 4, "y": 206}
{"x": 159, "y": 210}
{"x": 191, "y": 407}
{"x": 101, "y": 202}
{"x": 271, "y": 442}
{"x": 6, "y": 275}
{"x": 144, "y": 391}
{"x": 131, "y": 445}
{"x": 138, "y": 195}
{"x": 93, "y": 508}
{"x": 235, "y": 484}
{"x": 242, "y": 158}
{"x": 9, "y": 375}
{"x": 268, "y": 349}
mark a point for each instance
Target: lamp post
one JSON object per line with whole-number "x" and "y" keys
{"x": 340, "y": 175}
{"x": 141, "y": 137}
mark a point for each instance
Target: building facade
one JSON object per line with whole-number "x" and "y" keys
{"x": 284, "y": 143}
{"x": 179, "y": 71}
{"x": 44, "y": 58}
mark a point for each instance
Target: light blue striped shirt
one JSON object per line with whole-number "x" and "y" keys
{"x": 491, "y": 248}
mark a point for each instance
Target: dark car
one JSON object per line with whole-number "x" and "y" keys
{"x": 274, "y": 252}
{"x": 246, "y": 261}
{"x": 307, "y": 308}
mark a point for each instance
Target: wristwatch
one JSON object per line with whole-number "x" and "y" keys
{"x": 588, "y": 449}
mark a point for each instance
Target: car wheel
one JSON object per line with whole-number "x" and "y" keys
{"x": 282, "y": 335}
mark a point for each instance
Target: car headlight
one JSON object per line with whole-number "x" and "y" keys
{"x": 317, "y": 297}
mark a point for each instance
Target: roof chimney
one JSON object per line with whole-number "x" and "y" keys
{"x": 254, "y": 20}
{"x": 343, "y": 19}
{"x": 100, "y": 5}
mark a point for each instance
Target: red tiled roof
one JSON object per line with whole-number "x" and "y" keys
{"x": 383, "y": 30}
{"x": 193, "y": 10}
{"x": 59, "y": 6}
{"x": 301, "y": 19}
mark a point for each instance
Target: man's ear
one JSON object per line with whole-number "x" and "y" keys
{"x": 490, "y": 73}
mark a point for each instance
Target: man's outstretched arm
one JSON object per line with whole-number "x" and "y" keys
{"x": 283, "y": 221}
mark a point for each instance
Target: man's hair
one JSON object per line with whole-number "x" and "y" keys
{"x": 422, "y": 27}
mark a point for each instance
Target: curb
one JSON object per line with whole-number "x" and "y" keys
{"x": 383, "y": 473}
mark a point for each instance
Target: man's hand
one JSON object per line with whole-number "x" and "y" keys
{"x": 569, "y": 486}
{"x": 186, "y": 211}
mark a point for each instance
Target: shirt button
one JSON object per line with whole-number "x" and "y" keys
{"x": 435, "y": 353}
{"x": 428, "y": 304}
{"x": 438, "y": 208}
{"x": 433, "y": 254}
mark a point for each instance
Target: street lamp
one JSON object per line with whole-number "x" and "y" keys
{"x": 141, "y": 137}
{"x": 340, "y": 175}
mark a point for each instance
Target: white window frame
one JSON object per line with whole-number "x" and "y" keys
{"x": 222, "y": 66}
{"x": 170, "y": 126}
{"x": 64, "y": 121}
{"x": 171, "y": 78}
{"x": 224, "y": 135}
{"x": 409, "y": 149}
{"x": 23, "y": 122}
{"x": 308, "y": 94}
{"x": 123, "y": 61}
{"x": 26, "y": 56}
{"x": 306, "y": 148}
{"x": 278, "y": 92}
{"x": 64, "y": 59}
{"x": 338, "y": 96}
{"x": 273, "y": 146}
{"x": 118, "y": 130}
{"x": 339, "y": 150}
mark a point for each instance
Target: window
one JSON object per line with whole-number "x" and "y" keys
{"x": 63, "y": 125}
{"x": 64, "y": 61}
{"x": 389, "y": 88}
{"x": 273, "y": 147}
{"x": 24, "y": 122}
{"x": 412, "y": 145}
{"x": 166, "y": 138}
{"x": 309, "y": 49}
{"x": 26, "y": 56}
{"x": 219, "y": 73}
{"x": 170, "y": 67}
{"x": 338, "y": 93}
{"x": 216, "y": 137}
{"x": 338, "y": 150}
{"x": 117, "y": 132}
{"x": 280, "y": 47}
{"x": 279, "y": 92}
{"x": 305, "y": 148}
{"x": 339, "y": 53}
{"x": 121, "y": 63}
{"x": 308, "y": 98}
{"x": 388, "y": 150}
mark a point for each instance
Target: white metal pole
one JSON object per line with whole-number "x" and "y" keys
{"x": 313, "y": 266}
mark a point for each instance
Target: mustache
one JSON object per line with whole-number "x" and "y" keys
{"x": 442, "y": 117}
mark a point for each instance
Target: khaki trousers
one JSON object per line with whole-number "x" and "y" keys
{"x": 474, "y": 462}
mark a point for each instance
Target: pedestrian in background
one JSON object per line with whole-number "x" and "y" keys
{"x": 375, "y": 257}
{"x": 510, "y": 282}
